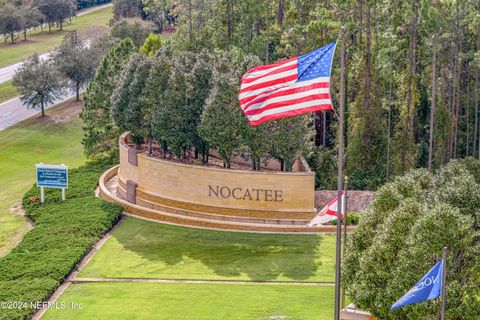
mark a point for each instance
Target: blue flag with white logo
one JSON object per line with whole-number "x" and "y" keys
{"x": 426, "y": 289}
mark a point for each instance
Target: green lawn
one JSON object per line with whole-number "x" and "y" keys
{"x": 7, "y": 91}
{"x": 49, "y": 140}
{"x": 194, "y": 301}
{"x": 144, "y": 249}
{"x": 42, "y": 42}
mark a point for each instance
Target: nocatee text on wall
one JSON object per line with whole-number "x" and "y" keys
{"x": 248, "y": 194}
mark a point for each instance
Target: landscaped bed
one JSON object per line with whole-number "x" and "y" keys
{"x": 63, "y": 234}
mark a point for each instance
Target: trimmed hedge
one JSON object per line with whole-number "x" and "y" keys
{"x": 64, "y": 232}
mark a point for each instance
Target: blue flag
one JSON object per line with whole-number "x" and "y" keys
{"x": 426, "y": 289}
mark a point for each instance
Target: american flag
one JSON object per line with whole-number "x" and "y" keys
{"x": 289, "y": 87}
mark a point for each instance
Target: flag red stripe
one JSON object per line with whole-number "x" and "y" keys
{"x": 278, "y": 93}
{"x": 269, "y": 83}
{"x": 291, "y": 113}
{"x": 288, "y": 103}
{"x": 271, "y": 73}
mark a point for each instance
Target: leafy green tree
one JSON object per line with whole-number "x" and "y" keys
{"x": 100, "y": 132}
{"x": 56, "y": 11}
{"x": 222, "y": 121}
{"x": 126, "y": 109}
{"x": 11, "y": 21}
{"x": 135, "y": 29}
{"x": 257, "y": 142}
{"x": 157, "y": 10}
{"x": 127, "y": 9}
{"x": 323, "y": 162}
{"x": 290, "y": 138}
{"x": 33, "y": 18}
{"x": 157, "y": 84}
{"x": 151, "y": 45}
{"x": 398, "y": 240}
{"x": 75, "y": 61}
{"x": 38, "y": 83}
{"x": 182, "y": 102}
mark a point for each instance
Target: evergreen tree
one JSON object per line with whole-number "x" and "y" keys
{"x": 157, "y": 84}
{"x": 182, "y": 103}
{"x": 290, "y": 138}
{"x": 151, "y": 45}
{"x": 126, "y": 108}
{"x": 100, "y": 132}
{"x": 222, "y": 121}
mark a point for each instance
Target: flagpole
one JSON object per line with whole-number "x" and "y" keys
{"x": 444, "y": 278}
{"x": 345, "y": 211}
{"x": 340, "y": 174}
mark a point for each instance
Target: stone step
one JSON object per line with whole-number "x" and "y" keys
{"x": 213, "y": 216}
{"x": 169, "y": 205}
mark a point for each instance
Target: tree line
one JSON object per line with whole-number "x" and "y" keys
{"x": 70, "y": 66}
{"x": 186, "y": 102}
{"x": 412, "y": 72}
{"x": 73, "y": 64}
{"x": 21, "y": 16}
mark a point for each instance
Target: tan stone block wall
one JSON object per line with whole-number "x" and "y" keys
{"x": 215, "y": 187}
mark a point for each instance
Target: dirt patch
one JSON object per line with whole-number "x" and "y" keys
{"x": 17, "y": 237}
{"x": 17, "y": 210}
{"x": 63, "y": 112}
{"x": 66, "y": 112}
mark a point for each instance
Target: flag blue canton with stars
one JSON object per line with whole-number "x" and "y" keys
{"x": 317, "y": 63}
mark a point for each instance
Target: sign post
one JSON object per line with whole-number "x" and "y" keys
{"x": 51, "y": 176}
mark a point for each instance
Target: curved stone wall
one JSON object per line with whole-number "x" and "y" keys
{"x": 153, "y": 182}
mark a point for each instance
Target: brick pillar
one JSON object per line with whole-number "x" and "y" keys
{"x": 131, "y": 191}
{"x": 133, "y": 156}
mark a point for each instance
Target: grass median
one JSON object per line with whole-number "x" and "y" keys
{"x": 42, "y": 42}
{"x": 7, "y": 91}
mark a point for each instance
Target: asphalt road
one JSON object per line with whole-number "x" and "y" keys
{"x": 7, "y": 73}
{"x": 13, "y": 111}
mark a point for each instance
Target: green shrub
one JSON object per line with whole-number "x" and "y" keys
{"x": 401, "y": 236}
{"x": 352, "y": 218}
{"x": 64, "y": 232}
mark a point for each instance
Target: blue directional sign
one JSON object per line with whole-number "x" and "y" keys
{"x": 52, "y": 176}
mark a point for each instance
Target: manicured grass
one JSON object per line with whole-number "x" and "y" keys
{"x": 42, "y": 42}
{"x": 55, "y": 139}
{"x": 144, "y": 249}
{"x": 194, "y": 301}
{"x": 7, "y": 91}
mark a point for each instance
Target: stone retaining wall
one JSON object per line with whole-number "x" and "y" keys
{"x": 262, "y": 194}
